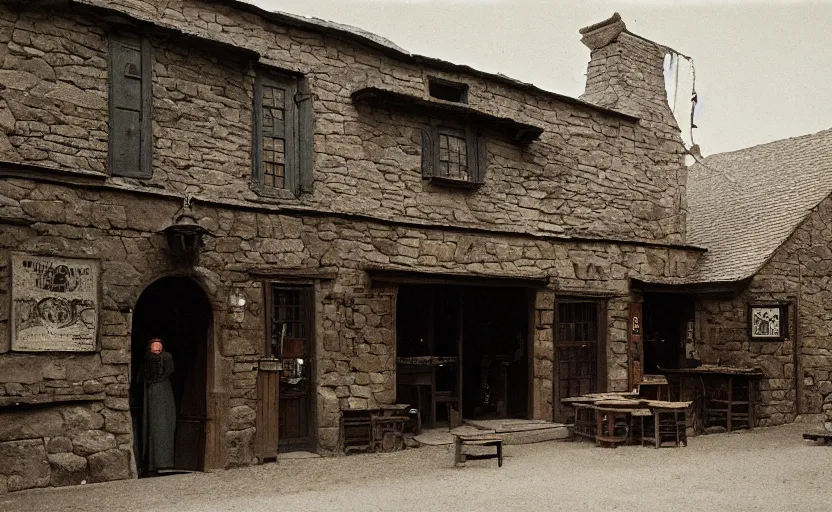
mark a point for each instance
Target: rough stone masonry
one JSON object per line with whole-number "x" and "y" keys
{"x": 596, "y": 201}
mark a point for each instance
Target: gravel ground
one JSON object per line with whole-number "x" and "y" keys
{"x": 768, "y": 469}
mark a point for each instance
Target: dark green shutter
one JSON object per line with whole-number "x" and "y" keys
{"x": 130, "y": 137}
{"x": 428, "y": 154}
{"x": 482, "y": 159}
{"x": 306, "y": 137}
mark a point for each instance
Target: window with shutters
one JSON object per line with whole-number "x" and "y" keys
{"x": 454, "y": 156}
{"x": 130, "y": 139}
{"x": 282, "y": 136}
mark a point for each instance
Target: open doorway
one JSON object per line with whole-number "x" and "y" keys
{"x": 176, "y": 310}
{"x": 463, "y": 349}
{"x": 664, "y": 326}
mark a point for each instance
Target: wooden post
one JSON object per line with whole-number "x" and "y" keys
{"x": 635, "y": 353}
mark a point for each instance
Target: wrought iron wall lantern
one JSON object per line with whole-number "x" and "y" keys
{"x": 237, "y": 304}
{"x": 184, "y": 236}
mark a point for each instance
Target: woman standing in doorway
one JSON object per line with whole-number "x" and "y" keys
{"x": 159, "y": 410}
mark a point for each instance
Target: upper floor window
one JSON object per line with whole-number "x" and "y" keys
{"x": 130, "y": 138}
{"x": 454, "y": 156}
{"x": 283, "y": 128}
{"x": 447, "y": 90}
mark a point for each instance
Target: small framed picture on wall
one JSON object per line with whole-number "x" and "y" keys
{"x": 768, "y": 322}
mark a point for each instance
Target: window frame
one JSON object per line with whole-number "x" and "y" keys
{"x": 291, "y": 171}
{"x": 460, "y": 87}
{"x": 141, "y": 43}
{"x": 476, "y": 152}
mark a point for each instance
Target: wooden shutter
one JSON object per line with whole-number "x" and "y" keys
{"x": 275, "y": 122}
{"x": 130, "y": 100}
{"x": 428, "y": 154}
{"x": 482, "y": 159}
{"x": 306, "y": 137}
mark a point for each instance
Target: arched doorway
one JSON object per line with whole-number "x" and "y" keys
{"x": 176, "y": 310}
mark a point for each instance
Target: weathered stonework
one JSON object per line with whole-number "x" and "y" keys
{"x": 591, "y": 205}
{"x": 799, "y": 267}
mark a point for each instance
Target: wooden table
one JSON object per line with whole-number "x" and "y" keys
{"x": 729, "y": 406}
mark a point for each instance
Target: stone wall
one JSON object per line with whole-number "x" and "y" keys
{"x": 355, "y": 337}
{"x": 722, "y": 332}
{"x": 626, "y": 72}
{"x": 591, "y": 173}
{"x": 64, "y": 445}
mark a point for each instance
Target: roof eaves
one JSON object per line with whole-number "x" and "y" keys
{"x": 367, "y": 39}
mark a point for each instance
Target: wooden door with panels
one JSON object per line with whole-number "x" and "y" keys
{"x": 289, "y": 320}
{"x": 580, "y": 362}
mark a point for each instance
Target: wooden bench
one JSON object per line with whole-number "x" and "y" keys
{"x": 826, "y": 437}
{"x": 478, "y": 440}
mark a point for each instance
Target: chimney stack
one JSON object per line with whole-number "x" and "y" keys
{"x": 627, "y": 72}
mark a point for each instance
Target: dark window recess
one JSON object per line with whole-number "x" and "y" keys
{"x": 283, "y": 130}
{"x": 448, "y": 91}
{"x": 130, "y": 140}
{"x": 454, "y": 157}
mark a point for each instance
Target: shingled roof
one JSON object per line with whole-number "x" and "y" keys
{"x": 744, "y": 204}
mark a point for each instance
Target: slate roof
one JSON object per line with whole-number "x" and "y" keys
{"x": 744, "y": 204}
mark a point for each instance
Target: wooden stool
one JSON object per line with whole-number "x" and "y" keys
{"x": 644, "y": 419}
{"x": 478, "y": 440}
{"x": 669, "y": 423}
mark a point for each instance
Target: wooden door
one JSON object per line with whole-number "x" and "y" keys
{"x": 291, "y": 342}
{"x": 578, "y": 352}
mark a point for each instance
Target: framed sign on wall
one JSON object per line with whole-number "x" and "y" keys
{"x": 54, "y": 304}
{"x": 768, "y": 322}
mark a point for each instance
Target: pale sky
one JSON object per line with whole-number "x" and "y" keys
{"x": 763, "y": 69}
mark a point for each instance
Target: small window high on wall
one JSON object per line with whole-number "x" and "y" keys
{"x": 447, "y": 90}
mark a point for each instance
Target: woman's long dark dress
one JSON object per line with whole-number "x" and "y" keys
{"x": 159, "y": 419}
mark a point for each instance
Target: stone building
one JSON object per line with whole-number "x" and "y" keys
{"x": 764, "y": 215}
{"x": 257, "y": 188}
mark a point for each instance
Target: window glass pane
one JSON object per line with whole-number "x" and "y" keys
{"x": 453, "y": 157}
{"x": 273, "y": 113}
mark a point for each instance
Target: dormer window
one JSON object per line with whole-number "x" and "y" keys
{"x": 447, "y": 90}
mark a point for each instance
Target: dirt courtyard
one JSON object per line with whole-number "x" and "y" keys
{"x": 768, "y": 469}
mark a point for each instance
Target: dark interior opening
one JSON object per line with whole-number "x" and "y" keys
{"x": 176, "y": 310}
{"x": 488, "y": 326}
{"x": 665, "y": 326}
{"x": 448, "y": 91}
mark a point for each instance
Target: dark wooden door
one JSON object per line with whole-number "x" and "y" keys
{"x": 578, "y": 352}
{"x": 291, "y": 341}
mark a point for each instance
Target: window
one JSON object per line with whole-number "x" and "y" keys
{"x": 457, "y": 157}
{"x": 448, "y": 91}
{"x": 579, "y": 349}
{"x": 282, "y": 135}
{"x": 130, "y": 138}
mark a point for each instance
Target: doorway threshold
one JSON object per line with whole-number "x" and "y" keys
{"x": 298, "y": 455}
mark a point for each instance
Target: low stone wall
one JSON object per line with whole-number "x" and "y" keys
{"x": 62, "y": 445}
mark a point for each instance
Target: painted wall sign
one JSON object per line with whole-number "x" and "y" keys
{"x": 54, "y": 304}
{"x": 768, "y": 322}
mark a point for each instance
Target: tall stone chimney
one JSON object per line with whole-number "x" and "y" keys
{"x": 631, "y": 74}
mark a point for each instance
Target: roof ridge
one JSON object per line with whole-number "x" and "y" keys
{"x": 764, "y": 144}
